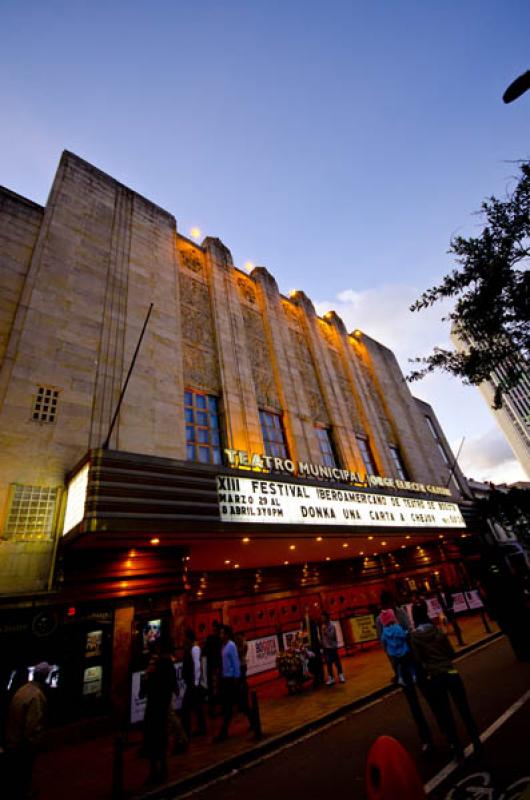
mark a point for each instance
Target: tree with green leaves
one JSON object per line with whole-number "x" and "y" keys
{"x": 491, "y": 290}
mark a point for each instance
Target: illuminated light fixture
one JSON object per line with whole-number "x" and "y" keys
{"x": 403, "y": 546}
{"x": 128, "y": 563}
{"x": 370, "y": 538}
{"x": 361, "y": 553}
{"x": 236, "y": 566}
{"x": 319, "y": 538}
{"x": 357, "y": 333}
{"x": 246, "y": 540}
{"x": 132, "y": 553}
{"x": 328, "y": 558}
{"x": 345, "y": 544}
{"x": 384, "y": 544}
{"x": 375, "y": 555}
{"x": 195, "y": 233}
{"x": 124, "y": 584}
{"x": 292, "y": 547}
{"x": 155, "y": 540}
{"x": 71, "y": 612}
{"x": 249, "y": 266}
{"x": 440, "y": 536}
{"x": 407, "y": 536}
{"x": 228, "y": 561}
{"x": 285, "y": 562}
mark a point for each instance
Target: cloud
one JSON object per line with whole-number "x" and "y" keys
{"x": 489, "y": 458}
{"x": 383, "y": 313}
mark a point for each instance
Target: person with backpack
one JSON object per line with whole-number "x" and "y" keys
{"x": 395, "y": 640}
{"x": 433, "y": 650}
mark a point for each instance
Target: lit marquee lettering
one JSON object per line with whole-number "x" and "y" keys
{"x": 255, "y": 500}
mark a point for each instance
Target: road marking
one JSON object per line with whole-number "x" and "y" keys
{"x": 452, "y": 766}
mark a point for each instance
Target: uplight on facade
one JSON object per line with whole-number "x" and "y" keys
{"x": 75, "y": 500}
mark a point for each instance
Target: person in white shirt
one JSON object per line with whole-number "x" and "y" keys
{"x": 194, "y": 696}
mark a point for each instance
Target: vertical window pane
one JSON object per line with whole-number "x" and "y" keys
{"x": 202, "y": 427}
{"x": 273, "y": 434}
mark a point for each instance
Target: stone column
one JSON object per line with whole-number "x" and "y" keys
{"x": 298, "y": 425}
{"x": 121, "y": 661}
{"x": 238, "y": 398}
{"x": 344, "y": 440}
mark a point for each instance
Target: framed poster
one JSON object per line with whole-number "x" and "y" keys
{"x": 459, "y": 602}
{"x": 473, "y": 599}
{"x": 93, "y": 644}
{"x": 261, "y": 654}
{"x": 363, "y": 629}
{"x": 92, "y": 681}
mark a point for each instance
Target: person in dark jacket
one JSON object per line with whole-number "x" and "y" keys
{"x": 159, "y": 684}
{"x": 434, "y": 652}
{"x": 212, "y": 652}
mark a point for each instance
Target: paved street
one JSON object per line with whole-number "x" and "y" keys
{"x": 333, "y": 759}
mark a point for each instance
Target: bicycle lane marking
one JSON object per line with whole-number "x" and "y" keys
{"x": 441, "y": 776}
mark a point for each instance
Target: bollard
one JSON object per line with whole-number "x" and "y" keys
{"x": 256, "y": 718}
{"x": 391, "y": 773}
{"x": 117, "y": 768}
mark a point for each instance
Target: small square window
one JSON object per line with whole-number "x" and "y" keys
{"x": 45, "y": 404}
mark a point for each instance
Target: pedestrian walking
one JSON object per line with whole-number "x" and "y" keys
{"x": 27, "y": 717}
{"x": 159, "y": 684}
{"x": 395, "y": 640}
{"x": 445, "y": 598}
{"x": 193, "y": 699}
{"x": 231, "y": 672}
{"x": 388, "y": 604}
{"x": 212, "y": 652}
{"x": 316, "y": 667}
{"x": 331, "y": 649}
{"x": 433, "y": 650}
{"x": 242, "y": 651}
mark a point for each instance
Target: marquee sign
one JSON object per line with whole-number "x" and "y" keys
{"x": 241, "y": 459}
{"x": 254, "y": 500}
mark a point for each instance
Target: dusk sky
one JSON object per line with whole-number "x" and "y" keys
{"x": 339, "y": 144}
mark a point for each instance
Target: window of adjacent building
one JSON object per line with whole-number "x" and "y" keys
{"x": 327, "y": 451}
{"x": 203, "y": 440}
{"x": 273, "y": 434}
{"x": 45, "y": 404}
{"x": 398, "y": 462}
{"x": 31, "y": 512}
{"x": 367, "y": 455}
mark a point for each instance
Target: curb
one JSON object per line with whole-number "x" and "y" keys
{"x": 267, "y": 746}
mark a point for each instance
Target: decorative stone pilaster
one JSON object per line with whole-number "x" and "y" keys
{"x": 238, "y": 396}
{"x": 299, "y": 428}
{"x": 344, "y": 439}
{"x": 371, "y": 424}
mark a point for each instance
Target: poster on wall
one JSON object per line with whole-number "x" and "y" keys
{"x": 138, "y": 703}
{"x": 261, "y": 654}
{"x": 93, "y": 681}
{"x": 93, "y": 644}
{"x": 473, "y": 599}
{"x": 459, "y": 602}
{"x": 363, "y": 629}
{"x": 434, "y": 607}
{"x": 151, "y": 633}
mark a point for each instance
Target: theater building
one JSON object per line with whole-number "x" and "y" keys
{"x": 265, "y": 462}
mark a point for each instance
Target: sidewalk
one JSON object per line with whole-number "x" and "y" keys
{"x": 84, "y": 770}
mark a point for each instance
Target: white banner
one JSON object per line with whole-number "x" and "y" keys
{"x": 261, "y": 654}
{"x": 137, "y": 710}
{"x": 473, "y": 599}
{"x": 459, "y": 603}
{"x": 254, "y": 500}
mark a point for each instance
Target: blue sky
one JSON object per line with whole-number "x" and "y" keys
{"x": 340, "y": 144}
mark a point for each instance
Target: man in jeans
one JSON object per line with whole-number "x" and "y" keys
{"x": 230, "y": 681}
{"x": 331, "y": 649}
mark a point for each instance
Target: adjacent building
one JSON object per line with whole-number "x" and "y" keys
{"x": 265, "y": 462}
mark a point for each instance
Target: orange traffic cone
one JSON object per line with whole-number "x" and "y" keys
{"x": 391, "y": 773}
